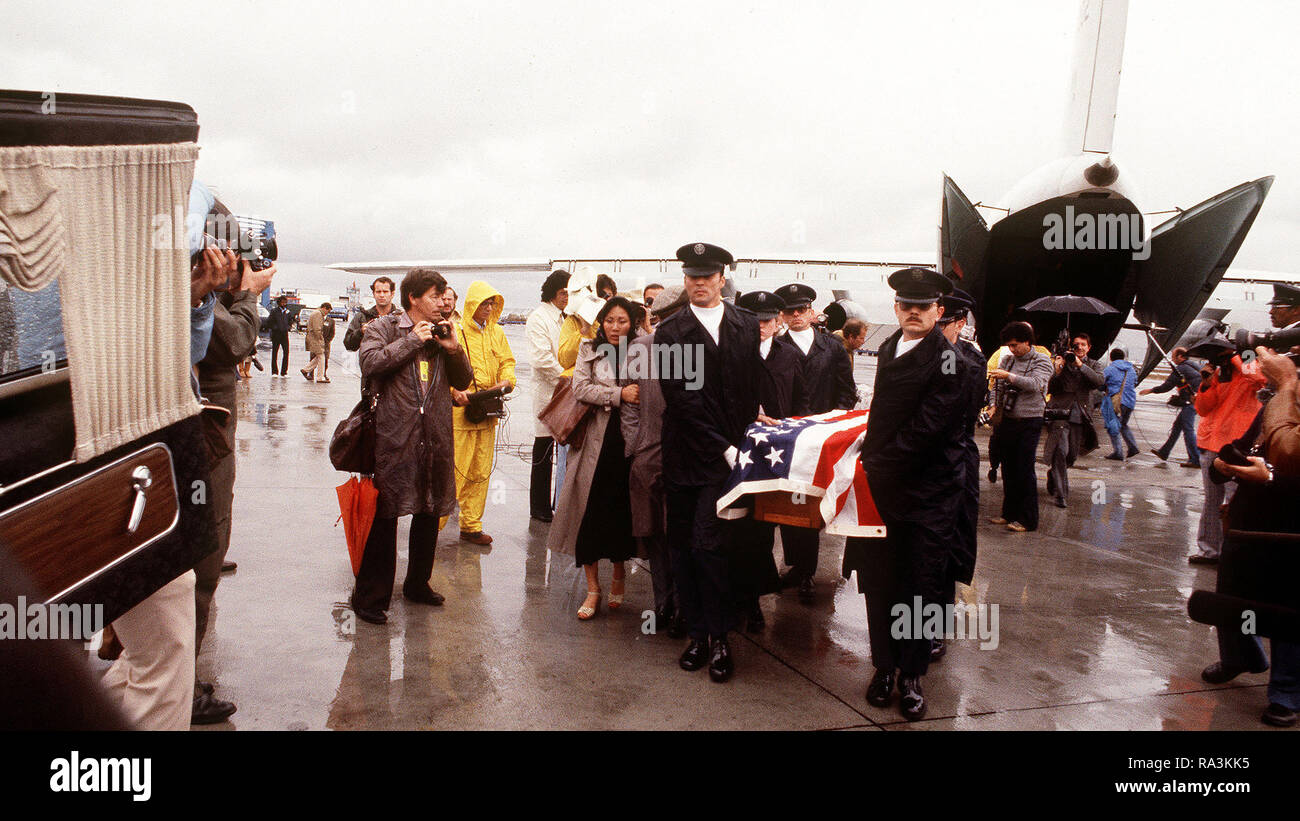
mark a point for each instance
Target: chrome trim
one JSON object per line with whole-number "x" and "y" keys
{"x": 61, "y": 488}
{"x": 31, "y": 383}
{"x": 6, "y": 488}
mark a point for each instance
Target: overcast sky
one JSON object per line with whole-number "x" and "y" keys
{"x": 383, "y": 131}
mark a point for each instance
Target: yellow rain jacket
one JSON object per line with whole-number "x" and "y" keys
{"x": 475, "y": 442}
{"x": 489, "y": 352}
{"x": 571, "y": 336}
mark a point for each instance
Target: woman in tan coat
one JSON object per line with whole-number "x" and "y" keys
{"x": 593, "y": 520}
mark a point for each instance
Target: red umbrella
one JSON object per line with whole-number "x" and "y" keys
{"x": 357, "y": 503}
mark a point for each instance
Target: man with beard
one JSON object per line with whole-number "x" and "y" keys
{"x": 828, "y": 377}
{"x": 912, "y": 459}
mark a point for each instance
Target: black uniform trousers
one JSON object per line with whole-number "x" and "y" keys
{"x": 799, "y": 546}
{"x": 374, "y": 587}
{"x": 895, "y": 576}
{"x": 696, "y": 542}
{"x": 1018, "y": 443}
{"x": 280, "y": 346}
{"x": 539, "y": 483}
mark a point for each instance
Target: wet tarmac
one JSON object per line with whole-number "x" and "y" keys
{"x": 1093, "y": 633}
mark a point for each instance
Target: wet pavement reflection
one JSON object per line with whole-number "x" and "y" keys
{"x": 1093, "y": 631}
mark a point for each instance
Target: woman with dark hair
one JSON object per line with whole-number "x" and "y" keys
{"x": 593, "y": 519}
{"x": 605, "y": 287}
{"x": 1020, "y": 384}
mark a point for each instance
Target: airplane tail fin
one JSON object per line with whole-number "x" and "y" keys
{"x": 1094, "y": 76}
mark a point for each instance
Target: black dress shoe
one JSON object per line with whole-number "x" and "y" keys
{"x": 695, "y": 655}
{"x": 881, "y": 689}
{"x": 754, "y": 620}
{"x": 1217, "y": 673}
{"x": 677, "y": 626}
{"x": 229, "y": 567}
{"x": 1115, "y": 457}
{"x": 422, "y": 595}
{"x": 937, "y": 649}
{"x": 807, "y": 591}
{"x": 1201, "y": 558}
{"x": 372, "y": 616}
{"x": 720, "y": 664}
{"x": 208, "y": 709}
{"x": 911, "y": 702}
{"x": 1159, "y": 455}
{"x": 1132, "y": 452}
{"x": 1278, "y": 716}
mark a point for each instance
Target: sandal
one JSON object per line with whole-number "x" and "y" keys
{"x": 588, "y": 610}
{"x": 616, "y": 598}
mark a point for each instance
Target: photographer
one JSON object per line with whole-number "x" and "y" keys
{"x": 1069, "y": 413}
{"x": 1187, "y": 380}
{"x": 493, "y": 366}
{"x": 234, "y": 336}
{"x": 1226, "y": 404}
{"x": 412, "y": 370}
{"x": 1020, "y": 380}
{"x": 1259, "y": 561}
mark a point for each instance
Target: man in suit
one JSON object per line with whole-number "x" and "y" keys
{"x": 912, "y": 459}
{"x": 781, "y": 394}
{"x": 706, "y": 414}
{"x": 828, "y": 380}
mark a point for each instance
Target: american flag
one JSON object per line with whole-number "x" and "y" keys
{"x": 816, "y": 456}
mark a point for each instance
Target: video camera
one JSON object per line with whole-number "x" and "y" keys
{"x": 1280, "y": 341}
{"x": 253, "y": 238}
{"x": 487, "y": 404}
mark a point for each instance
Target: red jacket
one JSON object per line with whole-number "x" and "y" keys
{"x": 1227, "y": 408}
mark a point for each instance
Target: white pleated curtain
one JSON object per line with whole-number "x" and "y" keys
{"x": 102, "y": 219}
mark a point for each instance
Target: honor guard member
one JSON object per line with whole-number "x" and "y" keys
{"x": 961, "y": 562}
{"x": 780, "y": 395}
{"x": 703, "y": 427}
{"x": 1284, "y": 307}
{"x": 911, "y": 457}
{"x": 828, "y": 377}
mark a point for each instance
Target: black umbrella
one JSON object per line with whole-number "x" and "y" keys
{"x": 1211, "y": 347}
{"x": 1069, "y": 304}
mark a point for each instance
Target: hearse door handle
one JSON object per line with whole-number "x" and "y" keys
{"x": 141, "y": 479}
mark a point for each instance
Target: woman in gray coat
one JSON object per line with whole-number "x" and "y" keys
{"x": 593, "y": 520}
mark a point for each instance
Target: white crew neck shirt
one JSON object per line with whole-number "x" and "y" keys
{"x": 710, "y": 318}
{"x": 804, "y": 339}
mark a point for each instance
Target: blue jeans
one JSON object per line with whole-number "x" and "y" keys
{"x": 1184, "y": 423}
{"x": 1126, "y": 433}
{"x": 1284, "y": 681}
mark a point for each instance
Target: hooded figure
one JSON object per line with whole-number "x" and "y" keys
{"x": 584, "y": 304}
{"x": 493, "y": 365}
